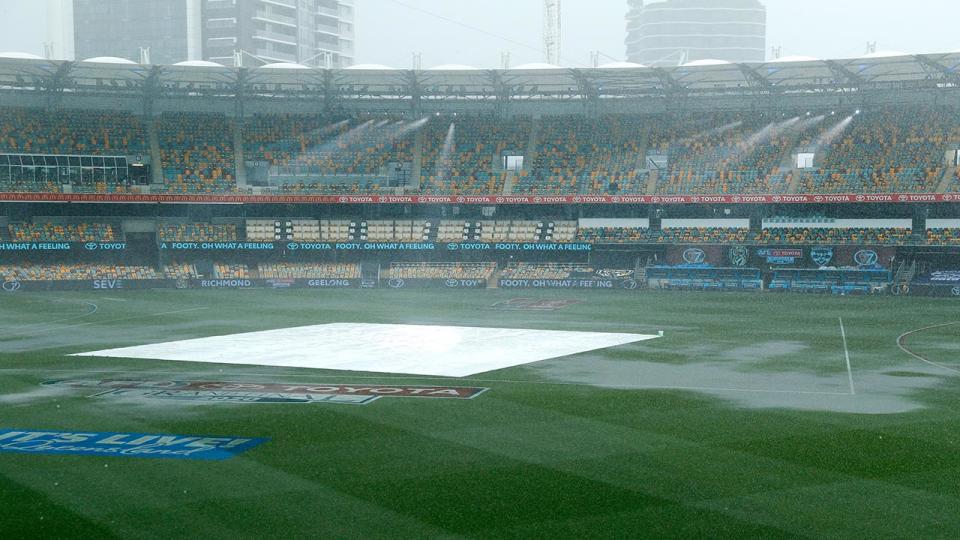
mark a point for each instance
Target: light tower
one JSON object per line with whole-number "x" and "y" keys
{"x": 551, "y": 31}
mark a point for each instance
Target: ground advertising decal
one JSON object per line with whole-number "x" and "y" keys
{"x": 245, "y": 392}
{"x": 142, "y": 445}
{"x": 847, "y": 198}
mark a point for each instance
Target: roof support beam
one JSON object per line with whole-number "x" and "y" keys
{"x": 937, "y": 67}
{"x": 670, "y": 85}
{"x": 755, "y": 78}
{"x": 841, "y": 72}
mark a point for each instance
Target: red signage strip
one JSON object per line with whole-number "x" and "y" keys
{"x": 484, "y": 199}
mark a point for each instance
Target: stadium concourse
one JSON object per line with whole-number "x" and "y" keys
{"x": 572, "y": 302}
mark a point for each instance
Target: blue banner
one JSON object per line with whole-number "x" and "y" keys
{"x": 291, "y": 247}
{"x": 63, "y": 246}
{"x": 142, "y": 445}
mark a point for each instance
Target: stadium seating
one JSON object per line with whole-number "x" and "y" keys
{"x": 309, "y": 270}
{"x": 544, "y": 270}
{"x": 884, "y": 149}
{"x": 196, "y": 151}
{"x": 701, "y": 235}
{"x": 73, "y": 272}
{"x": 469, "y": 162}
{"x": 858, "y": 236}
{"x": 230, "y": 271}
{"x": 441, "y": 270}
{"x": 943, "y": 237}
{"x": 612, "y": 235}
{"x": 197, "y": 232}
{"x": 334, "y": 155}
{"x": 57, "y": 232}
{"x": 587, "y": 156}
{"x": 179, "y": 271}
{"x": 70, "y": 132}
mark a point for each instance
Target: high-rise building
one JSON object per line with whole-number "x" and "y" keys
{"x": 250, "y": 32}
{"x": 312, "y": 32}
{"x": 678, "y": 31}
{"x": 123, "y": 27}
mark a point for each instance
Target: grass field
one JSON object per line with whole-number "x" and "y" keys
{"x": 754, "y": 416}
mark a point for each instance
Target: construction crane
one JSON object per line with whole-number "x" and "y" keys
{"x": 551, "y": 31}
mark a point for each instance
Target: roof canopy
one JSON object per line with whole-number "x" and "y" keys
{"x": 452, "y": 82}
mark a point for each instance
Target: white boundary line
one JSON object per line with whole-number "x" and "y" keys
{"x": 48, "y": 330}
{"x": 425, "y": 378}
{"x": 903, "y": 336}
{"x": 846, "y": 355}
{"x": 44, "y": 324}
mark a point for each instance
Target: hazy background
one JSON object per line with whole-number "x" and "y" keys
{"x": 390, "y": 31}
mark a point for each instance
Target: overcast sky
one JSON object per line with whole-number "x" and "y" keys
{"x": 390, "y": 31}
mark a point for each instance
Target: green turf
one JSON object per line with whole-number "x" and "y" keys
{"x": 765, "y": 438}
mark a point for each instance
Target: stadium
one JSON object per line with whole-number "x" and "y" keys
{"x": 714, "y": 299}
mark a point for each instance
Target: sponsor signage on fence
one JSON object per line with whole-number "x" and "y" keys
{"x": 62, "y": 246}
{"x": 89, "y": 284}
{"x": 511, "y": 246}
{"x": 247, "y": 392}
{"x": 871, "y": 198}
{"x": 780, "y": 257}
{"x": 423, "y": 283}
{"x": 142, "y": 445}
{"x": 374, "y": 246}
{"x": 532, "y": 304}
{"x": 568, "y": 284}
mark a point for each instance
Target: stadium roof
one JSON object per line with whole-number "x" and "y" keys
{"x": 457, "y": 82}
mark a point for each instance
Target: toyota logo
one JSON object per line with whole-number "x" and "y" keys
{"x": 453, "y": 247}
{"x": 955, "y": 291}
{"x": 11, "y": 286}
{"x": 452, "y": 283}
{"x": 396, "y": 283}
{"x": 91, "y": 246}
{"x": 293, "y": 246}
{"x": 629, "y": 284}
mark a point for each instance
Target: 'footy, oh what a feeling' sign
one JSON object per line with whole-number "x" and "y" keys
{"x": 143, "y": 445}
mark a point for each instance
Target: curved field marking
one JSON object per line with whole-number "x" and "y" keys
{"x": 48, "y": 330}
{"x": 902, "y": 339}
{"x": 43, "y": 326}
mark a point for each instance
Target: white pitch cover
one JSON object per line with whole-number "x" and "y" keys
{"x": 449, "y": 351}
